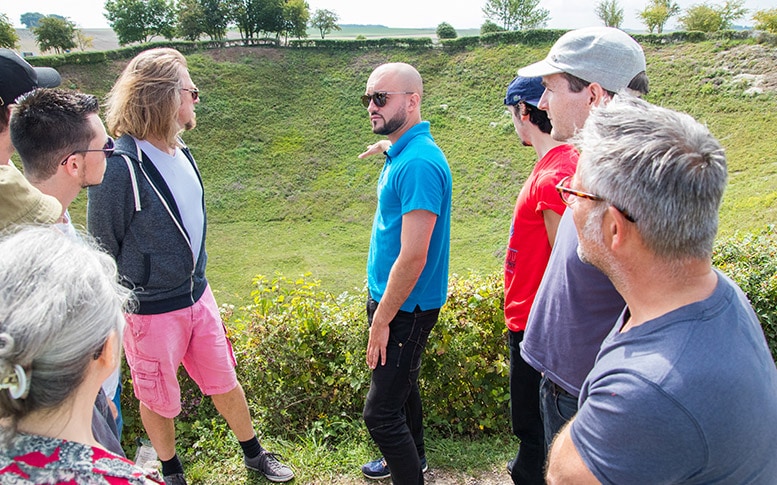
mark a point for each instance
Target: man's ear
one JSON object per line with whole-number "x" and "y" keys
{"x": 415, "y": 101}
{"x": 598, "y": 94}
{"x": 618, "y": 229}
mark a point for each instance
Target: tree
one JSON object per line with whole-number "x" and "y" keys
{"x": 245, "y": 14}
{"x": 516, "y": 14}
{"x": 325, "y": 21}
{"x": 31, "y": 19}
{"x": 83, "y": 41}
{"x": 489, "y": 27}
{"x": 296, "y": 14}
{"x": 657, "y": 13}
{"x": 55, "y": 33}
{"x": 270, "y": 19}
{"x": 8, "y": 37}
{"x": 730, "y": 11}
{"x": 190, "y": 19}
{"x": 610, "y": 12}
{"x": 446, "y": 31}
{"x": 141, "y": 20}
{"x": 710, "y": 18}
{"x": 766, "y": 20}
{"x": 215, "y": 18}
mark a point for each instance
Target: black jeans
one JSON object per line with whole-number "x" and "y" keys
{"x": 529, "y": 465}
{"x": 393, "y": 412}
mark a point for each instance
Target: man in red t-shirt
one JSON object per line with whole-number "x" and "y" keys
{"x": 532, "y": 232}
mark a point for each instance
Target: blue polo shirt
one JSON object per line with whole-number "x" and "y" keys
{"x": 415, "y": 176}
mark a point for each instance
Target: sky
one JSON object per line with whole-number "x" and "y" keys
{"x": 461, "y": 14}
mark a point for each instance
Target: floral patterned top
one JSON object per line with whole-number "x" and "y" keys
{"x": 32, "y": 459}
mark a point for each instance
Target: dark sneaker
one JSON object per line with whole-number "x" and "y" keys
{"x": 267, "y": 464}
{"x": 378, "y": 469}
{"x": 176, "y": 479}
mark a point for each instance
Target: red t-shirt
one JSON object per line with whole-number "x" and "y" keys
{"x": 528, "y": 248}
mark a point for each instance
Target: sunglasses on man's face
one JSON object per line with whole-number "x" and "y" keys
{"x": 107, "y": 149}
{"x": 194, "y": 92}
{"x": 379, "y": 98}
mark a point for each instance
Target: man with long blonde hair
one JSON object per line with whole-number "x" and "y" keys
{"x": 149, "y": 213}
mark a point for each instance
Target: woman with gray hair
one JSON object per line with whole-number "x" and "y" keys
{"x": 61, "y": 324}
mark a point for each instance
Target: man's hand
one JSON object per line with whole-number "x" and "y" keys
{"x": 376, "y": 346}
{"x": 376, "y": 148}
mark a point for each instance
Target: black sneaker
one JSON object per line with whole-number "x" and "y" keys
{"x": 378, "y": 469}
{"x": 267, "y": 464}
{"x": 176, "y": 479}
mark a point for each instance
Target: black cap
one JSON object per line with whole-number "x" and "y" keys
{"x": 18, "y": 77}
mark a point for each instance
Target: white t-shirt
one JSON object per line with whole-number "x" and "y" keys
{"x": 183, "y": 182}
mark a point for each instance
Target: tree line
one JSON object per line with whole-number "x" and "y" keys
{"x": 504, "y": 15}
{"x": 142, "y": 20}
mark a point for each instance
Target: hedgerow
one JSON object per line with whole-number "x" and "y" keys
{"x": 751, "y": 261}
{"x": 301, "y": 351}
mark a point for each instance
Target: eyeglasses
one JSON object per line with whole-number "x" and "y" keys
{"x": 380, "y": 98}
{"x": 194, "y": 92}
{"x": 107, "y": 149}
{"x": 568, "y": 196}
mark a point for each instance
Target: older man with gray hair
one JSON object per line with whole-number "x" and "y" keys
{"x": 684, "y": 389}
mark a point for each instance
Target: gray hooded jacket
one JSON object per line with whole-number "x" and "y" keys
{"x": 134, "y": 216}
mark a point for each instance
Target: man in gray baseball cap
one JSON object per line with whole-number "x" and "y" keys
{"x": 576, "y": 305}
{"x": 593, "y": 64}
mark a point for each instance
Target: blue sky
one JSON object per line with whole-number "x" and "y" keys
{"x": 395, "y": 13}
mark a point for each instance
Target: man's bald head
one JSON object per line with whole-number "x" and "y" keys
{"x": 403, "y": 77}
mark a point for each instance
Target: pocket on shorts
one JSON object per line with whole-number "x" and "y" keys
{"x": 146, "y": 379}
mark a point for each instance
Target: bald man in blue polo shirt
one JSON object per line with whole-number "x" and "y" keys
{"x": 407, "y": 269}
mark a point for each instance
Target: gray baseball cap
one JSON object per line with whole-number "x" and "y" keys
{"x": 603, "y": 55}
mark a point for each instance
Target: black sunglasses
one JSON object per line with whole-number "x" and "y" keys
{"x": 107, "y": 149}
{"x": 380, "y": 98}
{"x": 194, "y": 92}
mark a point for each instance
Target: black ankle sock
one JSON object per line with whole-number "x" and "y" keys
{"x": 251, "y": 448}
{"x": 171, "y": 466}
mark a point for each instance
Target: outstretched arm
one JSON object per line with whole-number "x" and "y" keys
{"x": 376, "y": 148}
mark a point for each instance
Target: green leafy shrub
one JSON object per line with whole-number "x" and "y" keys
{"x": 446, "y": 31}
{"x": 751, "y": 261}
{"x": 301, "y": 354}
{"x": 489, "y": 27}
{"x": 465, "y": 370}
{"x": 766, "y": 20}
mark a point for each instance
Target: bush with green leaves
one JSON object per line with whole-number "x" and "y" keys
{"x": 446, "y": 31}
{"x": 301, "y": 352}
{"x": 301, "y": 360}
{"x": 489, "y": 27}
{"x": 751, "y": 261}
{"x": 766, "y": 20}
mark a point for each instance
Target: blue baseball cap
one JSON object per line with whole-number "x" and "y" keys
{"x": 526, "y": 89}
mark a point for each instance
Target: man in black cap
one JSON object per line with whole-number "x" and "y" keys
{"x": 17, "y": 77}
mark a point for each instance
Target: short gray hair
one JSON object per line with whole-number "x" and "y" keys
{"x": 662, "y": 167}
{"x": 59, "y": 303}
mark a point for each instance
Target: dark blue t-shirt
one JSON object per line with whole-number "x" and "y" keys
{"x": 689, "y": 397}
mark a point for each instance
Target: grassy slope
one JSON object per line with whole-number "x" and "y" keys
{"x": 279, "y": 131}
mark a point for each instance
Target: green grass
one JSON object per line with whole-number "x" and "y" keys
{"x": 279, "y": 130}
